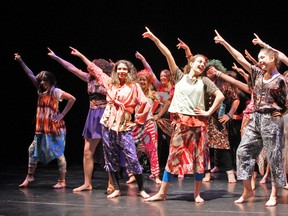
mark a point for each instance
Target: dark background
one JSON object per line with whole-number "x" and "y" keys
{"x": 113, "y": 29}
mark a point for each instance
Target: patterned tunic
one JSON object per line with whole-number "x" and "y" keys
{"x": 218, "y": 134}
{"x": 49, "y": 139}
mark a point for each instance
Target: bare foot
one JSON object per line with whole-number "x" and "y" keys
{"x": 158, "y": 181}
{"x": 244, "y": 197}
{"x": 215, "y": 170}
{"x": 143, "y": 194}
{"x": 83, "y": 188}
{"x": 131, "y": 180}
{"x": 60, "y": 184}
{"x": 198, "y": 199}
{"x": 110, "y": 190}
{"x": 27, "y": 181}
{"x": 207, "y": 177}
{"x": 156, "y": 197}
{"x": 114, "y": 194}
{"x": 271, "y": 202}
{"x": 231, "y": 178}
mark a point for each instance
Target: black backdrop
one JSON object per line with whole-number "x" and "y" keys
{"x": 113, "y": 29}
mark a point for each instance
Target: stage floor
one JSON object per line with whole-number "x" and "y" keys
{"x": 41, "y": 199}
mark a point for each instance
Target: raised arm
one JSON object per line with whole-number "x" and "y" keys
{"x": 147, "y": 66}
{"x": 143, "y": 60}
{"x": 241, "y": 72}
{"x": 185, "y": 47}
{"x": 68, "y": 66}
{"x": 258, "y": 41}
{"x": 26, "y": 69}
{"x": 250, "y": 58}
{"x": 235, "y": 53}
{"x": 164, "y": 50}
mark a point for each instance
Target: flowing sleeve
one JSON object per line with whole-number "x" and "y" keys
{"x": 102, "y": 78}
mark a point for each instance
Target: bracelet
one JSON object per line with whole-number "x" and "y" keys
{"x": 229, "y": 115}
{"x": 218, "y": 73}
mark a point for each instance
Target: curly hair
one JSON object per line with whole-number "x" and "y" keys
{"x": 217, "y": 64}
{"x": 131, "y": 76}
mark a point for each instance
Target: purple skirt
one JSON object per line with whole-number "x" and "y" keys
{"x": 93, "y": 127}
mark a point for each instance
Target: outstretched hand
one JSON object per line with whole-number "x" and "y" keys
{"x": 51, "y": 53}
{"x": 17, "y": 57}
{"x": 181, "y": 44}
{"x": 74, "y": 51}
{"x": 218, "y": 38}
{"x": 257, "y": 40}
{"x": 148, "y": 34}
{"x": 239, "y": 70}
{"x": 249, "y": 56}
{"x": 139, "y": 55}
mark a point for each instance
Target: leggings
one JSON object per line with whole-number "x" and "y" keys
{"x": 167, "y": 176}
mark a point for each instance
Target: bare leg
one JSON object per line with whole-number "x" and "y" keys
{"x": 30, "y": 176}
{"x": 266, "y": 175}
{"x": 247, "y": 192}
{"x": 88, "y": 164}
{"x": 253, "y": 180}
{"x": 273, "y": 197}
{"x": 285, "y": 173}
{"x": 197, "y": 188}
{"x": 161, "y": 195}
